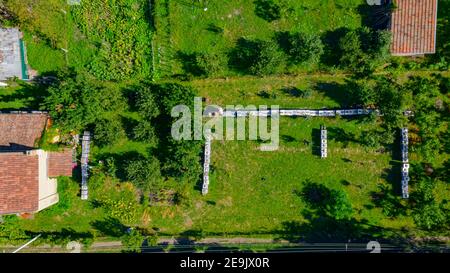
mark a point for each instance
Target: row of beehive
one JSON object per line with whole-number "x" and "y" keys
{"x": 405, "y": 160}
{"x": 206, "y": 164}
{"x": 299, "y": 113}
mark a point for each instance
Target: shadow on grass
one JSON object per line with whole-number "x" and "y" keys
{"x": 30, "y": 94}
{"x": 340, "y": 135}
{"x": 110, "y": 227}
{"x": 331, "y": 39}
{"x": 62, "y": 237}
{"x": 335, "y": 91}
{"x": 316, "y": 142}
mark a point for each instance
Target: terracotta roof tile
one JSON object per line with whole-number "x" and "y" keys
{"x": 19, "y": 183}
{"x": 19, "y": 132}
{"x": 414, "y": 27}
{"x": 60, "y": 163}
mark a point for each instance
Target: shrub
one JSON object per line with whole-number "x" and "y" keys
{"x": 257, "y": 57}
{"x": 132, "y": 241}
{"x": 108, "y": 131}
{"x": 268, "y": 10}
{"x": 363, "y": 50}
{"x": 144, "y": 174}
{"x": 211, "y": 64}
{"x": 305, "y": 48}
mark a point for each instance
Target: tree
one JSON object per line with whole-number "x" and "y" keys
{"x": 145, "y": 174}
{"x": 148, "y": 110}
{"x": 429, "y": 115}
{"x": 132, "y": 241}
{"x": 257, "y": 57}
{"x": 361, "y": 92}
{"x": 76, "y": 101}
{"x": 338, "y": 206}
{"x": 305, "y": 48}
{"x": 183, "y": 159}
{"x": 108, "y": 131}
{"x": 427, "y": 214}
{"x": 391, "y": 102}
{"x": 363, "y": 50}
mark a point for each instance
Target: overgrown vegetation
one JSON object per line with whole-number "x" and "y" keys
{"x": 144, "y": 179}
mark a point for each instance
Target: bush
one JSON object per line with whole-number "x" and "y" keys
{"x": 363, "y": 50}
{"x": 144, "y": 174}
{"x": 268, "y": 10}
{"x": 108, "y": 131}
{"x": 305, "y": 48}
{"x": 132, "y": 241}
{"x": 211, "y": 64}
{"x": 257, "y": 57}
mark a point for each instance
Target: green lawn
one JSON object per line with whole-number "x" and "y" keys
{"x": 192, "y": 29}
{"x": 286, "y": 91}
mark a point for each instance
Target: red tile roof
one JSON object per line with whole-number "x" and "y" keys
{"x": 60, "y": 163}
{"x": 414, "y": 27}
{"x": 19, "y": 132}
{"x": 19, "y": 183}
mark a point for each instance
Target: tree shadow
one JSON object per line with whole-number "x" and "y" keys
{"x": 340, "y": 135}
{"x": 267, "y": 10}
{"x": 62, "y": 237}
{"x": 335, "y": 91}
{"x": 316, "y": 142}
{"x": 389, "y": 201}
{"x": 189, "y": 63}
{"x": 244, "y": 54}
{"x": 30, "y": 94}
{"x": 330, "y": 40}
{"x": 214, "y": 28}
{"x": 129, "y": 124}
{"x": 110, "y": 227}
{"x": 288, "y": 139}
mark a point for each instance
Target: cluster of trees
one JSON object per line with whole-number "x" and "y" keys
{"x": 360, "y": 51}
{"x": 425, "y": 96}
{"x": 77, "y": 102}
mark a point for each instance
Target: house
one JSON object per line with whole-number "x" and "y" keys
{"x": 13, "y": 61}
{"x": 413, "y": 26}
{"x": 28, "y": 175}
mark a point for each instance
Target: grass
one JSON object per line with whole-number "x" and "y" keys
{"x": 217, "y": 28}
{"x": 326, "y": 91}
{"x": 254, "y": 192}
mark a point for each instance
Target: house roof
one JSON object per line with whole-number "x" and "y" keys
{"x": 60, "y": 163}
{"x": 414, "y": 27}
{"x": 19, "y": 183}
{"x": 19, "y": 132}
